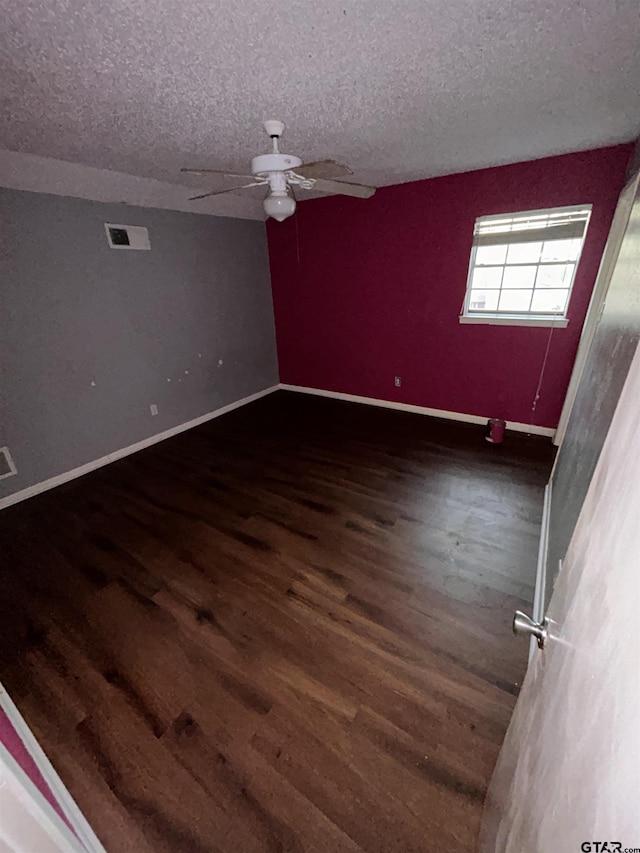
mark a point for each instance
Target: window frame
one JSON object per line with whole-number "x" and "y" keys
{"x": 522, "y": 318}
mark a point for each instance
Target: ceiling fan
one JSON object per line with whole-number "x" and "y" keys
{"x": 282, "y": 172}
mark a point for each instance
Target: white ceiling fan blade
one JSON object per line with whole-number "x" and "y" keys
{"x": 228, "y": 190}
{"x": 216, "y": 172}
{"x": 323, "y": 169}
{"x": 342, "y": 188}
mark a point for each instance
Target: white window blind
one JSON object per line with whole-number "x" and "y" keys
{"x": 523, "y": 265}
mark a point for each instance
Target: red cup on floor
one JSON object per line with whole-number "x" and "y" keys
{"x": 495, "y": 430}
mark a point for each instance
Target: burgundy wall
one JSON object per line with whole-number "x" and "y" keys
{"x": 367, "y": 290}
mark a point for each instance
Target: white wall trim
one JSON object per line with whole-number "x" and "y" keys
{"x": 59, "y": 479}
{"x": 501, "y": 320}
{"x": 419, "y": 410}
{"x": 600, "y": 289}
{"x": 51, "y": 483}
{"x": 84, "y": 833}
{"x": 29, "y": 815}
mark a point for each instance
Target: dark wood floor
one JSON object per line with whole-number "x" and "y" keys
{"x": 286, "y": 630}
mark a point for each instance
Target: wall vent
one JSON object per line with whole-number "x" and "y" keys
{"x": 7, "y": 468}
{"x": 127, "y": 236}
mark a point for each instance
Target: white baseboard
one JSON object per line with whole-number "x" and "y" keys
{"x": 77, "y": 821}
{"x": 419, "y": 410}
{"x": 51, "y": 483}
{"x": 59, "y": 479}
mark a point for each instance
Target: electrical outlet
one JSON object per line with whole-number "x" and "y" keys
{"x": 397, "y": 381}
{"x": 153, "y": 409}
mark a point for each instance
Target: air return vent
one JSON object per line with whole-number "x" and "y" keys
{"x": 7, "y": 468}
{"x": 127, "y": 236}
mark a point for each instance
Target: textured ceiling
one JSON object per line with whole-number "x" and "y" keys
{"x": 400, "y": 90}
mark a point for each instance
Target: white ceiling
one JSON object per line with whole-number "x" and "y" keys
{"x": 398, "y": 89}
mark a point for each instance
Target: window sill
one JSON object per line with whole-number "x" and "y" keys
{"x": 506, "y": 320}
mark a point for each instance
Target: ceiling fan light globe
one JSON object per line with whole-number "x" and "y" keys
{"x": 279, "y": 206}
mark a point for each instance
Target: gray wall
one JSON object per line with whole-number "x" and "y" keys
{"x": 610, "y": 356}
{"x": 73, "y": 311}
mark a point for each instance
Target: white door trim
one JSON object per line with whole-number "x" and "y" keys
{"x": 539, "y": 593}
{"x": 598, "y": 297}
{"x": 77, "y": 821}
{"x": 31, "y": 813}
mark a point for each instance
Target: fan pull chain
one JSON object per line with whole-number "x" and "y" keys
{"x": 536, "y": 397}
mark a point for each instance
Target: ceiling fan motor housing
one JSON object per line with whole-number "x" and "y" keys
{"x": 274, "y": 127}
{"x": 265, "y": 163}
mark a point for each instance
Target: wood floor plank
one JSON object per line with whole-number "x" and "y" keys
{"x": 285, "y": 630}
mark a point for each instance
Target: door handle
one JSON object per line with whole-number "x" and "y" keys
{"x": 524, "y": 626}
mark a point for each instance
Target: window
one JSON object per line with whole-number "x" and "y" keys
{"x": 523, "y": 266}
